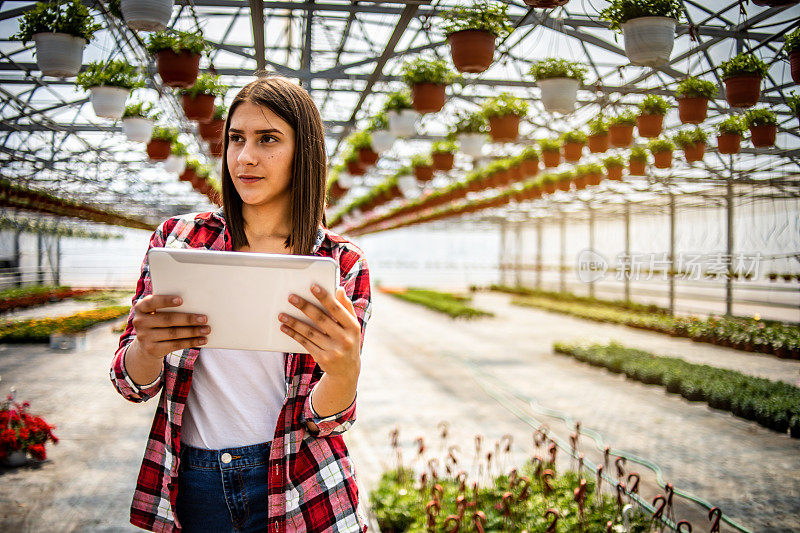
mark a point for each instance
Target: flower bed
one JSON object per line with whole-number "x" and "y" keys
{"x": 39, "y": 329}
{"x": 443, "y": 302}
{"x": 772, "y": 404}
{"x": 22, "y": 297}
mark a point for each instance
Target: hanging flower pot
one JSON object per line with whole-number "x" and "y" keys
{"x": 110, "y": 83}
{"x": 693, "y": 95}
{"x": 211, "y": 130}
{"x": 158, "y": 149}
{"x": 471, "y": 50}
{"x": 559, "y": 94}
{"x": 428, "y": 79}
{"x": 581, "y": 182}
{"x": 423, "y": 173}
{"x": 472, "y": 143}
{"x": 636, "y": 167}
{"x": 695, "y": 152}
{"x": 178, "y": 70}
{"x": 649, "y": 40}
{"x": 443, "y": 161}
{"x": 564, "y": 182}
{"x": 530, "y": 167}
{"x": 650, "y": 126}
{"x": 16, "y": 458}
{"x": 693, "y": 143}
{"x": 137, "y": 129}
{"x": 763, "y": 136}
{"x": 794, "y": 64}
{"x": 175, "y": 164}
{"x": 59, "y": 54}
{"x": 216, "y": 148}
{"x": 620, "y": 135}
{"x": 594, "y": 177}
{"x": 146, "y": 15}
{"x": 382, "y": 140}
{"x": 551, "y": 159}
{"x": 188, "y": 174}
{"x": 729, "y": 143}
{"x": 402, "y": 123}
{"x": 614, "y": 172}
{"x": 199, "y": 107}
{"x": 573, "y": 151}
{"x": 108, "y": 102}
{"x": 742, "y": 76}
{"x": 598, "y": 143}
{"x": 355, "y": 168}
{"x": 367, "y": 157}
{"x": 692, "y": 110}
{"x": 428, "y": 97}
{"x": 504, "y": 128}
{"x": 663, "y": 159}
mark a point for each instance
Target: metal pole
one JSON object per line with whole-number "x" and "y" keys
{"x": 729, "y": 244}
{"x": 563, "y": 266}
{"x": 671, "y": 272}
{"x": 502, "y": 258}
{"x": 539, "y": 254}
{"x": 591, "y": 245}
{"x": 518, "y": 250}
{"x": 17, "y": 274}
{"x": 627, "y": 273}
{"x": 57, "y": 269}
{"x": 40, "y": 250}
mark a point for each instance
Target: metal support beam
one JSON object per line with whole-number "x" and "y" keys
{"x": 257, "y": 23}
{"x": 539, "y": 224}
{"x": 562, "y": 268}
{"x": 518, "y": 256}
{"x": 671, "y": 273}
{"x": 729, "y": 242}
{"x": 502, "y": 257}
{"x": 591, "y": 245}
{"x": 626, "y": 273}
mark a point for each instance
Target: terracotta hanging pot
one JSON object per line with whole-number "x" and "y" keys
{"x": 216, "y": 148}
{"x": 692, "y": 110}
{"x": 530, "y": 167}
{"x": 428, "y": 97}
{"x": 199, "y": 108}
{"x": 367, "y": 157}
{"x": 594, "y": 178}
{"x": 614, "y": 173}
{"x": 355, "y": 168}
{"x": 636, "y": 168}
{"x": 443, "y": 161}
{"x": 551, "y": 159}
{"x": 650, "y": 126}
{"x": 158, "y": 149}
{"x": 620, "y": 135}
{"x": 515, "y": 173}
{"x": 549, "y": 187}
{"x": 794, "y": 64}
{"x": 211, "y": 130}
{"x": 188, "y": 174}
{"x": 178, "y": 70}
{"x": 504, "y": 129}
{"x": 763, "y": 136}
{"x": 729, "y": 143}
{"x": 564, "y": 185}
{"x": 742, "y": 91}
{"x": 598, "y": 143}
{"x": 663, "y": 159}
{"x": 572, "y": 152}
{"x": 695, "y": 152}
{"x": 581, "y": 182}
{"x": 471, "y": 50}
{"x": 423, "y": 172}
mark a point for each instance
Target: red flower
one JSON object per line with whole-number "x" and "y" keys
{"x": 24, "y": 433}
{"x": 8, "y": 436}
{"x": 37, "y": 451}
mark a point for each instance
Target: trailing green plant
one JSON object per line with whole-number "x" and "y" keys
{"x": 177, "y": 41}
{"x": 733, "y": 125}
{"x": 140, "y": 110}
{"x": 444, "y": 147}
{"x": 574, "y": 136}
{"x": 161, "y": 133}
{"x": 115, "y": 73}
{"x": 550, "y": 145}
{"x": 219, "y": 112}
{"x": 654, "y": 105}
{"x": 693, "y": 87}
{"x": 421, "y": 160}
{"x": 638, "y": 153}
{"x": 205, "y": 84}
{"x": 598, "y": 126}
{"x": 621, "y": 11}
{"x": 692, "y": 137}
{"x": 444, "y": 302}
{"x": 398, "y": 101}
{"x": 614, "y": 161}
{"x": 67, "y": 16}
{"x": 660, "y": 145}
{"x": 504, "y": 104}
{"x": 481, "y": 15}
{"x": 793, "y": 101}
{"x": 792, "y": 43}
{"x": 554, "y": 67}
{"x": 626, "y": 118}
{"x": 530, "y": 152}
{"x": 760, "y": 117}
{"x": 378, "y": 122}
{"x": 360, "y": 140}
{"x": 422, "y": 70}
{"x": 470, "y": 123}
{"x": 743, "y": 65}
{"x": 178, "y": 148}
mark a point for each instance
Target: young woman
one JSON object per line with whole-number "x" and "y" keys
{"x": 251, "y": 441}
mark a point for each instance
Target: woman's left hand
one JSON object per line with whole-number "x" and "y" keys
{"x": 334, "y": 340}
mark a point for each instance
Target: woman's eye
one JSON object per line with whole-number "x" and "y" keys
{"x": 267, "y": 138}
{"x": 234, "y": 138}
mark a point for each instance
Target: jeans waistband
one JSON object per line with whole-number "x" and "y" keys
{"x": 253, "y": 455}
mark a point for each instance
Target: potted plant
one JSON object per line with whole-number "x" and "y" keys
{"x": 382, "y": 138}
{"x": 650, "y": 121}
{"x": 470, "y": 130}
{"x": 572, "y": 145}
{"x": 693, "y": 95}
{"x": 662, "y": 152}
{"x": 564, "y": 180}
{"x": 793, "y": 101}
{"x": 637, "y": 160}
{"x": 361, "y": 143}
{"x": 423, "y": 167}
{"x": 190, "y": 170}
{"x": 551, "y": 152}
{"x": 693, "y": 143}
{"x": 198, "y": 100}
{"x": 158, "y": 149}
{"x": 529, "y": 161}
{"x": 504, "y": 112}
{"x": 792, "y": 47}
{"x": 620, "y": 129}
{"x": 763, "y": 125}
{"x": 443, "y": 155}
{"x": 177, "y": 56}
{"x": 146, "y": 15}
{"x": 428, "y": 79}
{"x": 598, "y": 135}
{"x": 729, "y": 135}
{"x": 60, "y": 31}
{"x": 110, "y": 84}
{"x": 614, "y": 165}
{"x": 176, "y": 162}
{"x": 137, "y": 121}
{"x": 212, "y": 130}
{"x": 559, "y": 80}
{"x": 354, "y": 166}
{"x": 400, "y": 113}
{"x": 647, "y": 27}
{"x": 215, "y": 148}
{"x": 742, "y": 76}
{"x": 471, "y": 32}
{"x": 22, "y": 433}
{"x": 591, "y": 174}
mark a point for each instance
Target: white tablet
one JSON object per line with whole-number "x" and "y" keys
{"x": 242, "y": 293}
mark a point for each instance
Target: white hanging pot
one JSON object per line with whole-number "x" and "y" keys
{"x": 16, "y": 458}
{"x": 138, "y": 129}
{"x": 59, "y": 54}
{"x": 146, "y": 15}
{"x": 109, "y": 102}
{"x": 175, "y": 164}
{"x": 649, "y": 40}
{"x": 382, "y": 140}
{"x": 559, "y": 94}
{"x": 408, "y": 186}
{"x": 402, "y": 123}
{"x": 472, "y": 143}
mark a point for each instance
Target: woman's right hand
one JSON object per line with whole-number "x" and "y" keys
{"x": 158, "y": 334}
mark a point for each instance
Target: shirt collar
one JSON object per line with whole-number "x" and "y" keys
{"x": 219, "y": 214}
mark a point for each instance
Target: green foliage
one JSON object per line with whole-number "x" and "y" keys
{"x": 481, "y": 15}
{"x": 588, "y": 169}
{"x": 598, "y": 126}
{"x": 621, "y": 11}
{"x": 661, "y": 145}
{"x": 793, "y": 101}
{"x": 421, "y": 160}
{"x": 550, "y": 145}
{"x": 220, "y": 111}
{"x": 65, "y": 16}
{"x": 732, "y": 125}
{"x": 448, "y": 303}
{"x": 654, "y": 105}
{"x": 470, "y": 123}
{"x": 688, "y": 138}
{"x": 115, "y": 73}
{"x": 359, "y": 140}
{"x": 554, "y": 67}
{"x": 205, "y": 84}
{"x": 693, "y": 87}
{"x": 743, "y": 65}
{"x": 165, "y": 134}
{"x": 39, "y": 329}
{"x": 177, "y": 41}
{"x": 529, "y": 152}
{"x": 140, "y": 110}
{"x": 504, "y": 104}
{"x": 444, "y": 147}
{"x": 760, "y": 117}
{"x": 574, "y": 136}
{"x": 397, "y": 101}
{"x": 378, "y": 122}
{"x": 792, "y": 43}
{"x": 422, "y": 70}
{"x": 638, "y": 153}
{"x": 178, "y": 148}
{"x": 614, "y": 161}
{"x": 626, "y": 118}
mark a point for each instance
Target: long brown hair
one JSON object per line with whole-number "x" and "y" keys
{"x": 294, "y": 105}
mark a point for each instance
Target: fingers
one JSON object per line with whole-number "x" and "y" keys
{"x": 304, "y": 341}
{"x": 291, "y": 325}
{"x": 154, "y": 302}
{"x": 180, "y": 344}
{"x": 178, "y": 333}
{"x": 317, "y": 315}
{"x": 345, "y": 301}
{"x": 333, "y": 306}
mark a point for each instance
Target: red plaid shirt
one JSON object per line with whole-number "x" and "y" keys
{"x": 312, "y": 483}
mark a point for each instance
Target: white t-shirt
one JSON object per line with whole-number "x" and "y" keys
{"x": 235, "y": 398}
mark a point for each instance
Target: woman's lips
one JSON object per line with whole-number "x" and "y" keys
{"x": 250, "y": 179}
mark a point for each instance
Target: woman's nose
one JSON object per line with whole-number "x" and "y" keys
{"x": 247, "y": 155}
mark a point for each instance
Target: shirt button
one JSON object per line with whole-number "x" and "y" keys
{"x": 226, "y": 458}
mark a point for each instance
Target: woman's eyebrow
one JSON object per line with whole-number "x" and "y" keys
{"x": 272, "y": 130}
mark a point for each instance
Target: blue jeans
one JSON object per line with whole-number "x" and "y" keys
{"x": 223, "y": 490}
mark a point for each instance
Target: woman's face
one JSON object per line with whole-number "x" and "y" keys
{"x": 260, "y": 153}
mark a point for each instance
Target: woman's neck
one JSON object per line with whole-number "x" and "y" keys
{"x": 264, "y": 222}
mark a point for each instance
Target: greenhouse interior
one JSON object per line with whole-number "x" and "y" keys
{"x": 572, "y": 228}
